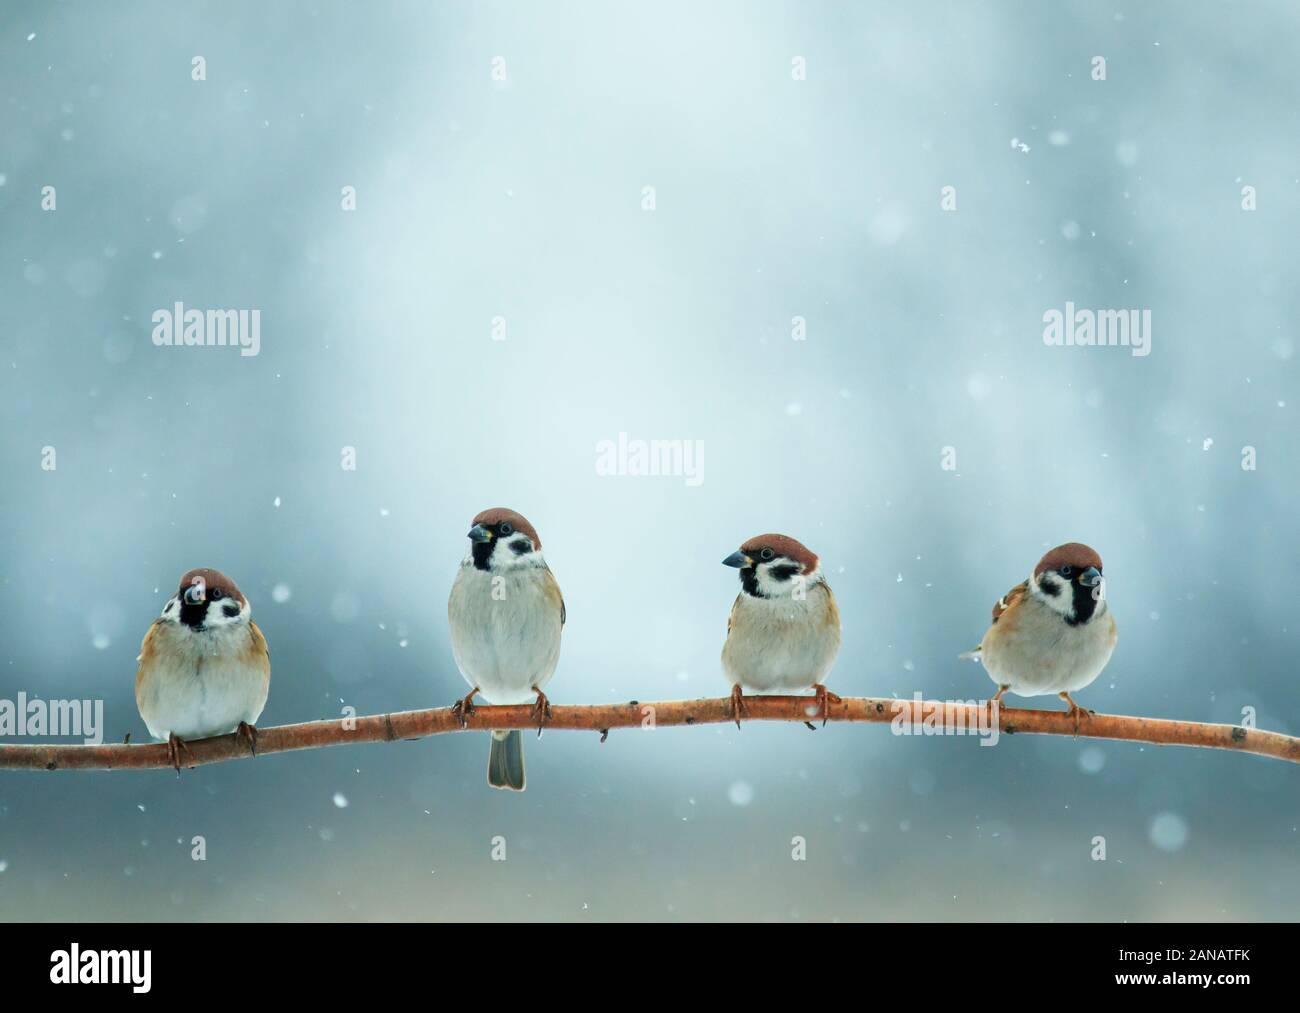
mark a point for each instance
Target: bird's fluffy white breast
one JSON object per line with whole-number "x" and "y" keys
{"x": 199, "y": 684}
{"x": 781, "y": 643}
{"x": 505, "y": 630}
{"x": 1042, "y": 653}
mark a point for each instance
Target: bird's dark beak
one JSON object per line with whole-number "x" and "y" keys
{"x": 738, "y": 559}
{"x": 1090, "y": 577}
{"x": 478, "y": 533}
{"x": 195, "y": 594}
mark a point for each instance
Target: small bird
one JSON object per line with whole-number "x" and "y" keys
{"x": 1052, "y": 633}
{"x": 784, "y": 630}
{"x": 204, "y": 666}
{"x": 506, "y": 613}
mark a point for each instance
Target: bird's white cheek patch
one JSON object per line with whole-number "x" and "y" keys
{"x": 505, "y": 556}
{"x": 795, "y": 587}
{"x": 1062, "y": 601}
{"x": 216, "y": 615}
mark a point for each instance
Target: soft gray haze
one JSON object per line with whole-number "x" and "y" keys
{"x": 774, "y": 199}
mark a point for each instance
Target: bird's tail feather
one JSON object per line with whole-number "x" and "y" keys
{"x": 506, "y": 760}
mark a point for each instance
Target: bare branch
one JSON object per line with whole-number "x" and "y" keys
{"x": 954, "y": 717}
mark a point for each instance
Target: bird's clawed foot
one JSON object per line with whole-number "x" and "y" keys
{"x": 1076, "y": 711}
{"x": 175, "y": 746}
{"x": 737, "y": 704}
{"x": 462, "y": 709}
{"x": 997, "y": 699}
{"x": 247, "y": 733}
{"x": 824, "y": 699}
{"x": 541, "y": 710}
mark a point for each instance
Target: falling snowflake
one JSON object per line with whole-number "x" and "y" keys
{"x": 1168, "y": 832}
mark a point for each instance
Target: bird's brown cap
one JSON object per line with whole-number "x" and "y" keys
{"x": 495, "y": 515}
{"x": 781, "y": 545}
{"x": 212, "y": 580}
{"x": 1074, "y": 554}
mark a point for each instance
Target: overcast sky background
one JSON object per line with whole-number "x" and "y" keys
{"x": 775, "y": 199}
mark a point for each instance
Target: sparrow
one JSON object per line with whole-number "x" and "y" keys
{"x": 1052, "y": 633}
{"x": 204, "y": 668}
{"x": 505, "y": 613}
{"x": 784, "y": 629}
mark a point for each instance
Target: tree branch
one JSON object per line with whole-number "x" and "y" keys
{"x": 944, "y": 718}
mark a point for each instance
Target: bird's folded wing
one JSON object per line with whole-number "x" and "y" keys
{"x": 1000, "y": 608}
{"x": 147, "y": 651}
{"x": 146, "y": 645}
{"x": 1009, "y": 599}
{"x": 259, "y": 646}
{"x": 553, "y": 590}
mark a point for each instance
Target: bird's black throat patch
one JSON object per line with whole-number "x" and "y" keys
{"x": 193, "y": 614}
{"x": 482, "y": 553}
{"x": 1085, "y": 605}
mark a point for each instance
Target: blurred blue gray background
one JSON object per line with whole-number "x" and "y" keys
{"x": 775, "y": 198}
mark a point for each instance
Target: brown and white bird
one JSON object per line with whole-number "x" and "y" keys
{"x": 204, "y": 666}
{"x": 784, "y": 630}
{"x": 1054, "y": 632}
{"x": 505, "y": 613}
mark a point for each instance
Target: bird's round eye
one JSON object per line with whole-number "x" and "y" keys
{"x": 1066, "y": 571}
{"x": 767, "y": 554}
{"x": 216, "y": 594}
{"x": 506, "y": 528}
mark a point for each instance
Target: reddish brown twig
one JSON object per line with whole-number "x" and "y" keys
{"x": 602, "y": 717}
